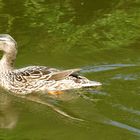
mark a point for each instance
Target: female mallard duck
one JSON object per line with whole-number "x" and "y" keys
{"x": 35, "y": 78}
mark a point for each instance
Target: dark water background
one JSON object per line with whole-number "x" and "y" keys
{"x": 101, "y": 37}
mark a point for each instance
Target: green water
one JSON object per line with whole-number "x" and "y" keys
{"x": 100, "y": 37}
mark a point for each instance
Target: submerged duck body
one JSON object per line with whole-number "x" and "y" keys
{"x": 35, "y": 78}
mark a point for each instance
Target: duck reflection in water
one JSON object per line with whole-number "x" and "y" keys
{"x": 8, "y": 116}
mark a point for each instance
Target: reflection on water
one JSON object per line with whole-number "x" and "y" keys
{"x": 124, "y": 108}
{"x": 106, "y": 67}
{"x": 8, "y": 116}
{"x": 43, "y": 101}
{"x": 124, "y": 126}
{"x": 88, "y": 108}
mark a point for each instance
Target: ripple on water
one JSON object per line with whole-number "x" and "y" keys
{"x": 105, "y": 67}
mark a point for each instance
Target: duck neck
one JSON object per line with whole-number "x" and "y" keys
{"x": 7, "y": 61}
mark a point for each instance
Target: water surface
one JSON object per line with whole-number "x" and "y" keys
{"x": 100, "y": 37}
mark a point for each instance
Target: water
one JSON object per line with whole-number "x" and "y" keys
{"x": 101, "y": 38}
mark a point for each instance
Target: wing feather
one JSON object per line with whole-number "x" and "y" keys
{"x": 62, "y": 74}
{"x": 34, "y": 73}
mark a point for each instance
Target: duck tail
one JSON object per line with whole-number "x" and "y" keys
{"x": 91, "y": 84}
{"x": 88, "y": 83}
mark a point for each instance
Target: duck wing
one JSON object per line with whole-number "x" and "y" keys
{"x": 33, "y": 73}
{"x": 62, "y": 74}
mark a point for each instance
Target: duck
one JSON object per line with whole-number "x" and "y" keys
{"x": 33, "y": 79}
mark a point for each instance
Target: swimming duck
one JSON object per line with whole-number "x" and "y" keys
{"x": 35, "y": 78}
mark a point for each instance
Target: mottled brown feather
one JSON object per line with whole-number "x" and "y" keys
{"x": 62, "y": 74}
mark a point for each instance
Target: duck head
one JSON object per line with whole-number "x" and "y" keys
{"x": 7, "y": 43}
